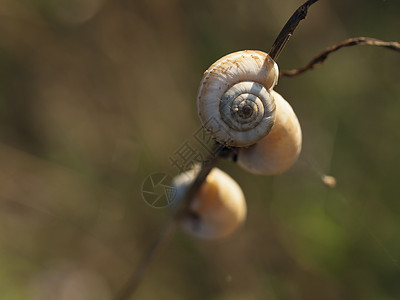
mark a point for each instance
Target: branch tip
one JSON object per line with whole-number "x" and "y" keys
{"x": 287, "y": 30}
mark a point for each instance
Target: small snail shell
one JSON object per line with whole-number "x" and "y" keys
{"x": 234, "y": 100}
{"x": 218, "y": 208}
{"x": 276, "y": 152}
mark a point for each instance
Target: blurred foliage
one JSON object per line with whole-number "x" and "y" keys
{"x": 93, "y": 95}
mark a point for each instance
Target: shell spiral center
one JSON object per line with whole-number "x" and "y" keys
{"x": 234, "y": 100}
{"x": 244, "y": 106}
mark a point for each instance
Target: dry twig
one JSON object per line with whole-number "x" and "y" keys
{"x": 131, "y": 285}
{"x": 320, "y": 58}
{"x": 288, "y": 29}
{"x": 133, "y": 282}
{"x": 219, "y": 151}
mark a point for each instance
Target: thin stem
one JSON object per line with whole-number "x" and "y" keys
{"x": 208, "y": 165}
{"x": 132, "y": 284}
{"x": 288, "y": 29}
{"x": 219, "y": 151}
{"x": 320, "y": 58}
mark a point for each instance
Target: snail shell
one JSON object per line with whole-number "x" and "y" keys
{"x": 218, "y": 208}
{"x": 276, "y": 152}
{"x": 234, "y": 100}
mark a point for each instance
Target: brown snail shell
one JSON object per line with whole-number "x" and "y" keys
{"x": 218, "y": 208}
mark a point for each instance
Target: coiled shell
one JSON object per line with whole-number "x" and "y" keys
{"x": 218, "y": 208}
{"x": 234, "y": 100}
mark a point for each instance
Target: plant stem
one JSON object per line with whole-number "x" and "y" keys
{"x": 219, "y": 151}
{"x": 320, "y": 58}
{"x": 208, "y": 165}
{"x": 132, "y": 284}
{"x": 288, "y": 29}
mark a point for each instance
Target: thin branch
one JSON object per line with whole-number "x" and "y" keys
{"x": 288, "y": 29}
{"x": 320, "y": 58}
{"x": 155, "y": 249}
{"x": 219, "y": 151}
{"x": 133, "y": 282}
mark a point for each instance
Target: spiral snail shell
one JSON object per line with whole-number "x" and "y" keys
{"x": 238, "y": 106}
{"x": 234, "y": 100}
{"x": 218, "y": 208}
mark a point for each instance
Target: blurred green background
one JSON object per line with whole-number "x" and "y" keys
{"x": 95, "y": 95}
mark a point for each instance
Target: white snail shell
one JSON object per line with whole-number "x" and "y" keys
{"x": 234, "y": 100}
{"x": 218, "y": 208}
{"x": 276, "y": 152}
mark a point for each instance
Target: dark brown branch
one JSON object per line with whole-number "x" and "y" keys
{"x": 219, "y": 151}
{"x": 320, "y": 58}
{"x": 288, "y": 29}
{"x": 209, "y": 164}
{"x": 132, "y": 284}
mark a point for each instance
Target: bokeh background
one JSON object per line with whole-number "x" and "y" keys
{"x": 96, "y": 95}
